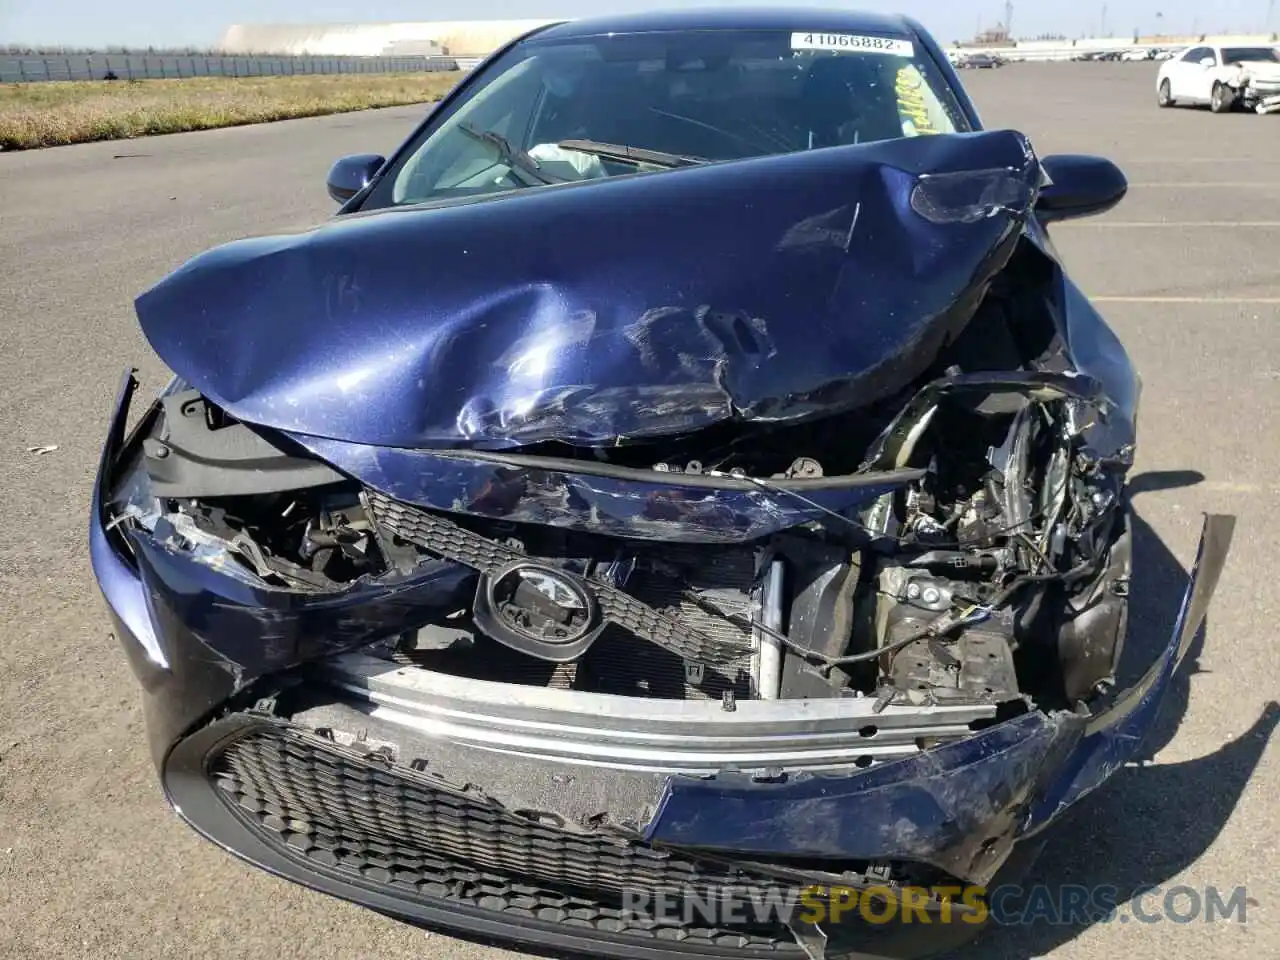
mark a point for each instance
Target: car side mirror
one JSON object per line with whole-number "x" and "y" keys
{"x": 1081, "y": 186}
{"x": 1207, "y": 61}
{"x": 352, "y": 174}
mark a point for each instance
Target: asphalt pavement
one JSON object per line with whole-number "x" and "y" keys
{"x": 93, "y": 864}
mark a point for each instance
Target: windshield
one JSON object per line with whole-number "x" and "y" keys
{"x": 1246, "y": 54}
{"x": 551, "y": 112}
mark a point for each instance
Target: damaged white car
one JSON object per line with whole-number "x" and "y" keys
{"x": 1226, "y": 78}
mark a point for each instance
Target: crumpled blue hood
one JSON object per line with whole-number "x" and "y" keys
{"x": 777, "y": 289}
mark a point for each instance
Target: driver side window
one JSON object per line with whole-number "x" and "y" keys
{"x": 450, "y": 161}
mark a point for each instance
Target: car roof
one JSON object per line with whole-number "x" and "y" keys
{"x": 733, "y": 18}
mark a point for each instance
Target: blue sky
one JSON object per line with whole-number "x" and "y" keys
{"x": 183, "y": 22}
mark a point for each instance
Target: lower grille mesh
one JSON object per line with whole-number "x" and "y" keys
{"x": 359, "y": 816}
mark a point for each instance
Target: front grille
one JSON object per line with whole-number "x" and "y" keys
{"x": 346, "y": 814}
{"x": 448, "y": 539}
{"x": 621, "y": 663}
{"x": 679, "y": 628}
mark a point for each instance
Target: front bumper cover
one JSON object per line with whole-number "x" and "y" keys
{"x": 198, "y": 641}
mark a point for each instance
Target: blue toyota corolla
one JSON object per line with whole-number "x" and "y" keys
{"x": 681, "y": 479}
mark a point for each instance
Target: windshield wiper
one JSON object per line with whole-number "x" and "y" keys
{"x": 615, "y": 151}
{"x": 517, "y": 160}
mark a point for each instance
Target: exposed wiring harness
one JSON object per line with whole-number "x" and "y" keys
{"x": 875, "y": 534}
{"x": 935, "y": 629}
{"x": 940, "y": 625}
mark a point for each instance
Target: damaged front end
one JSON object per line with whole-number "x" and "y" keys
{"x": 806, "y": 566}
{"x": 1255, "y": 84}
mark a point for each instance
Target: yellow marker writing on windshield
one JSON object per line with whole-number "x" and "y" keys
{"x": 912, "y": 108}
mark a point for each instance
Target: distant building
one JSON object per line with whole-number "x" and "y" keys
{"x": 457, "y": 38}
{"x": 996, "y": 36}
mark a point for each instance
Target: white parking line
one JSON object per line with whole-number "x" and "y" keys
{"x": 1216, "y": 160}
{"x": 1220, "y": 300}
{"x": 1225, "y": 184}
{"x": 1178, "y": 224}
{"x": 1227, "y": 486}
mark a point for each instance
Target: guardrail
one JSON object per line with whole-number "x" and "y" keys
{"x": 20, "y": 69}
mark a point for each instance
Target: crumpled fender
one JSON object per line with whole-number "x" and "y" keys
{"x": 1114, "y": 733}
{"x": 960, "y": 807}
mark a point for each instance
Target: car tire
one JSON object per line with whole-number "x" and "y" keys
{"x": 1223, "y": 98}
{"x": 1165, "y": 95}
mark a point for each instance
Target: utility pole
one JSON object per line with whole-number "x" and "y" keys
{"x": 1102, "y": 29}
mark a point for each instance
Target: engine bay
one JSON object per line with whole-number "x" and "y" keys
{"x": 997, "y": 574}
{"x": 984, "y": 560}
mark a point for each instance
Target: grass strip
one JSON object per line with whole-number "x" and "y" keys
{"x": 65, "y": 112}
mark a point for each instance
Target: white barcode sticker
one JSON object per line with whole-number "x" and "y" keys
{"x": 852, "y": 43}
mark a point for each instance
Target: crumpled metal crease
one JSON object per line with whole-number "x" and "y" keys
{"x": 661, "y": 508}
{"x": 776, "y": 288}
